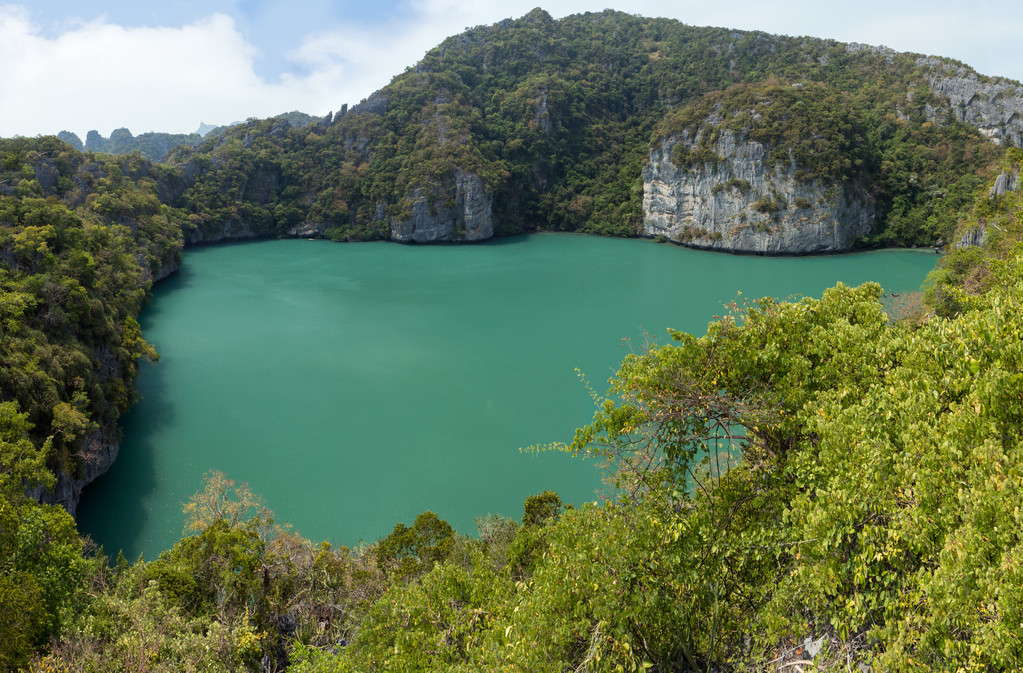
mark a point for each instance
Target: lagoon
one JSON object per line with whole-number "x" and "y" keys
{"x": 353, "y": 386}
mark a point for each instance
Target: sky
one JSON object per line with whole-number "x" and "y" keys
{"x": 173, "y": 64}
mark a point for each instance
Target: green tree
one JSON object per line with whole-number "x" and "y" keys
{"x": 411, "y": 550}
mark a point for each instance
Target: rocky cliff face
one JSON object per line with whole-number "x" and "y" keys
{"x": 468, "y": 217}
{"x": 101, "y": 449}
{"x": 977, "y": 235}
{"x": 994, "y": 106}
{"x": 168, "y": 268}
{"x": 973, "y": 237}
{"x": 102, "y": 445}
{"x": 98, "y": 453}
{"x": 740, "y": 203}
{"x": 1005, "y": 182}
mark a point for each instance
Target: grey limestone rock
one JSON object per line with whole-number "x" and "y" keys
{"x": 974, "y": 236}
{"x": 992, "y": 105}
{"x": 376, "y": 103}
{"x": 169, "y": 268}
{"x": 307, "y": 230}
{"x": 1005, "y": 182}
{"x": 742, "y": 204}
{"x": 46, "y": 174}
{"x": 977, "y": 235}
{"x": 101, "y": 449}
{"x": 543, "y": 114}
{"x": 469, "y": 218}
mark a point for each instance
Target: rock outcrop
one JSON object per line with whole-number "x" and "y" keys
{"x": 101, "y": 449}
{"x": 1005, "y": 182}
{"x": 992, "y": 105}
{"x": 466, "y": 217}
{"x": 741, "y": 203}
{"x": 308, "y": 230}
{"x": 973, "y": 237}
{"x": 168, "y": 268}
{"x": 976, "y": 235}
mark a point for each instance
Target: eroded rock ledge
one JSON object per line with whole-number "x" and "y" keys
{"x": 740, "y": 203}
{"x": 993, "y": 105}
{"x": 467, "y": 217}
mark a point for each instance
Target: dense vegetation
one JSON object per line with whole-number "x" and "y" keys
{"x": 81, "y": 236}
{"x": 808, "y": 481}
{"x": 966, "y": 270}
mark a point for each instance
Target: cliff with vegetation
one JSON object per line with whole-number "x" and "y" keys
{"x": 572, "y": 125}
{"x": 768, "y": 169}
{"x": 992, "y": 105}
{"x": 984, "y": 241}
{"x": 580, "y": 125}
{"x": 873, "y": 490}
{"x": 83, "y": 238}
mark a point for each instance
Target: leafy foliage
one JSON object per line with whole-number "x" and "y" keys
{"x": 821, "y": 130}
{"x": 79, "y": 256}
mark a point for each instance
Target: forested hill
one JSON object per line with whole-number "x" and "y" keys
{"x": 600, "y": 123}
{"x": 537, "y": 123}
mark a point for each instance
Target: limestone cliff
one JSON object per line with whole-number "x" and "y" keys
{"x": 975, "y": 233}
{"x": 992, "y": 105}
{"x": 1007, "y": 181}
{"x": 742, "y": 202}
{"x": 467, "y": 217}
{"x": 101, "y": 449}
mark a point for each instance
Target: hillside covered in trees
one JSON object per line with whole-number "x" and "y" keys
{"x": 867, "y": 510}
{"x": 537, "y": 123}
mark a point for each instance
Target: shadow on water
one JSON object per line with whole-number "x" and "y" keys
{"x": 181, "y": 279}
{"x": 125, "y": 488}
{"x": 503, "y": 241}
{"x": 132, "y": 479}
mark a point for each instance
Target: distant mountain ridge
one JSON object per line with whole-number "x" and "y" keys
{"x": 155, "y": 145}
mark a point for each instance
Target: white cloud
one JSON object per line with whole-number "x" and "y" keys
{"x": 102, "y": 76}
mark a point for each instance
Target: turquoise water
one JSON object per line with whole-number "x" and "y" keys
{"x": 353, "y": 386}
